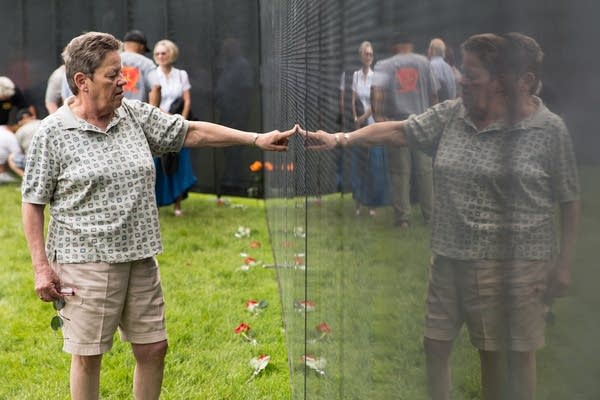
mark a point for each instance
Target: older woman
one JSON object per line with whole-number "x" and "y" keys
{"x": 172, "y": 187}
{"x": 502, "y": 161}
{"x": 369, "y": 170}
{"x": 91, "y": 161}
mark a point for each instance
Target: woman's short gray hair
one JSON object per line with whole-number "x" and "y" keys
{"x": 85, "y": 54}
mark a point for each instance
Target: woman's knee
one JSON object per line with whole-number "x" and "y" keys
{"x": 150, "y": 352}
{"x": 437, "y": 348}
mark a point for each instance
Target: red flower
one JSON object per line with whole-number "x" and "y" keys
{"x": 242, "y": 328}
{"x": 256, "y": 306}
{"x": 256, "y": 166}
{"x": 323, "y": 327}
{"x": 263, "y": 357}
{"x": 251, "y": 303}
{"x": 258, "y": 364}
{"x": 298, "y": 260}
{"x": 305, "y": 305}
{"x": 249, "y": 260}
{"x": 255, "y": 244}
{"x": 317, "y": 364}
{"x": 268, "y": 166}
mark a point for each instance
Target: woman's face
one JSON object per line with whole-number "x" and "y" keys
{"x": 105, "y": 86}
{"x": 162, "y": 56}
{"x": 479, "y": 87}
{"x": 366, "y": 56}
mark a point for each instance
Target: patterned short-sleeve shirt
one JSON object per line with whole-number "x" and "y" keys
{"x": 100, "y": 185}
{"x": 496, "y": 190}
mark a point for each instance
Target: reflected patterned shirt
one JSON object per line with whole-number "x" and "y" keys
{"x": 100, "y": 185}
{"x": 496, "y": 190}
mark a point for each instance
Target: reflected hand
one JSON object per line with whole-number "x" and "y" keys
{"x": 319, "y": 140}
{"x": 559, "y": 280}
{"x": 275, "y": 140}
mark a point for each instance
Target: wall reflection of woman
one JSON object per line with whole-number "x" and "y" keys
{"x": 175, "y": 85}
{"x": 504, "y": 168}
{"x": 370, "y": 179}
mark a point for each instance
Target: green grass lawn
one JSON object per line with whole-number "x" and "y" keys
{"x": 366, "y": 278}
{"x": 205, "y": 294}
{"x": 368, "y": 281}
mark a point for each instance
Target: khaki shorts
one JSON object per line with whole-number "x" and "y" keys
{"x": 501, "y": 302}
{"x": 127, "y": 296}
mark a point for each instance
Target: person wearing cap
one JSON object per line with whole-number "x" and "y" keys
{"x": 142, "y": 83}
{"x": 11, "y": 100}
{"x": 91, "y": 163}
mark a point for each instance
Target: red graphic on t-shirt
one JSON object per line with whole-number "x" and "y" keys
{"x": 132, "y": 76}
{"x": 407, "y": 79}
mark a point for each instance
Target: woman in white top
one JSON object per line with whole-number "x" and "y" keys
{"x": 369, "y": 177}
{"x": 172, "y": 188}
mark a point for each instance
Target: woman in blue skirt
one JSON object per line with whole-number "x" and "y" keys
{"x": 369, "y": 172}
{"x": 173, "y": 183}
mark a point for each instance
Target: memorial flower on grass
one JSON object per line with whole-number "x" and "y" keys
{"x": 255, "y": 244}
{"x": 299, "y": 262}
{"x": 258, "y": 364}
{"x": 255, "y": 306}
{"x": 245, "y": 332}
{"x": 248, "y": 262}
{"x": 304, "y": 306}
{"x": 317, "y": 364}
{"x": 242, "y": 232}
{"x": 323, "y": 330}
{"x": 221, "y": 202}
{"x": 299, "y": 232}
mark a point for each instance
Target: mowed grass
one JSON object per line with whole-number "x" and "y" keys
{"x": 205, "y": 293}
{"x": 366, "y": 278}
{"x": 368, "y": 282}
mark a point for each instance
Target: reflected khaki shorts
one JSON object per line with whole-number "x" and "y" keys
{"x": 501, "y": 302}
{"x": 127, "y": 296}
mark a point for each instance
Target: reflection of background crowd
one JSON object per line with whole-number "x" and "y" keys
{"x": 153, "y": 78}
{"x": 405, "y": 83}
{"x": 505, "y": 172}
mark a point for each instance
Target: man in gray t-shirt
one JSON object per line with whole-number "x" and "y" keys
{"x": 138, "y": 70}
{"x": 403, "y": 85}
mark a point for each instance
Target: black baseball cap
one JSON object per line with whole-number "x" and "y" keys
{"x": 138, "y": 37}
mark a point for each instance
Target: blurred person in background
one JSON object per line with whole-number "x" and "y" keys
{"x": 53, "y": 98}
{"x": 441, "y": 70}
{"x": 369, "y": 170}
{"x": 504, "y": 168}
{"x": 139, "y": 71}
{"x": 8, "y": 147}
{"x": 450, "y": 58}
{"x": 403, "y": 85}
{"x": 91, "y": 162}
{"x": 172, "y": 187}
{"x": 11, "y": 100}
{"x": 28, "y": 125}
